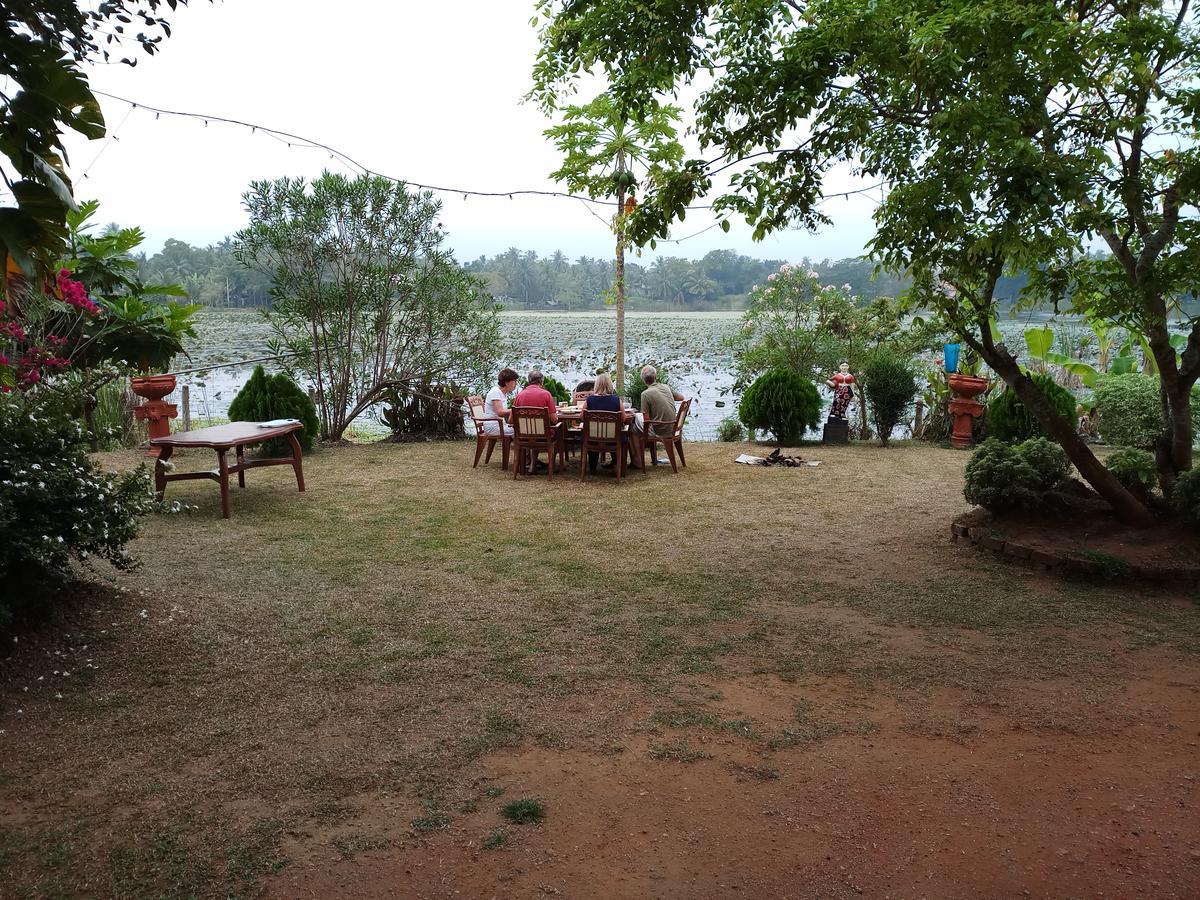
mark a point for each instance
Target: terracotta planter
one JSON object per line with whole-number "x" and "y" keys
{"x": 964, "y": 407}
{"x": 154, "y": 412}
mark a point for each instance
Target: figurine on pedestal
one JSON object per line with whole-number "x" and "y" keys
{"x": 837, "y": 429}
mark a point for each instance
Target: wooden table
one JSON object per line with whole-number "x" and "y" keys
{"x": 224, "y": 438}
{"x": 573, "y": 415}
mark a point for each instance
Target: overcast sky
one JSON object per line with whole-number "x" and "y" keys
{"x": 429, "y": 92}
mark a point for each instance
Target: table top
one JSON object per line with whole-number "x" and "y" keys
{"x": 572, "y": 413}
{"x": 225, "y": 435}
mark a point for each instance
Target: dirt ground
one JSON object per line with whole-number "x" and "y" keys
{"x": 729, "y": 682}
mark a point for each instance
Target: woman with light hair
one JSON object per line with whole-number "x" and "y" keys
{"x": 604, "y": 399}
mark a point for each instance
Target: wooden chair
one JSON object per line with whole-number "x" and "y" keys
{"x": 579, "y": 398}
{"x": 603, "y": 432}
{"x": 534, "y": 432}
{"x": 672, "y": 443}
{"x": 483, "y": 438}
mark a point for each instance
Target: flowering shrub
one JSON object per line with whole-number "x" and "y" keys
{"x": 40, "y": 343}
{"x": 56, "y": 506}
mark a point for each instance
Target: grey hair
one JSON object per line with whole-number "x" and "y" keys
{"x": 536, "y": 377}
{"x": 649, "y": 374}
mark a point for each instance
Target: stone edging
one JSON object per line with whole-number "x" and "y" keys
{"x": 983, "y": 537}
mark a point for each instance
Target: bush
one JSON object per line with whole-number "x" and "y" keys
{"x": 1009, "y": 420}
{"x": 1130, "y": 410}
{"x": 891, "y": 386}
{"x": 265, "y": 397}
{"x": 783, "y": 403}
{"x": 1185, "y": 496}
{"x": 1048, "y": 461}
{"x": 55, "y": 504}
{"x": 428, "y": 410}
{"x": 998, "y": 478}
{"x": 635, "y": 386}
{"x": 731, "y": 431}
{"x": 1134, "y": 468}
{"x": 556, "y": 388}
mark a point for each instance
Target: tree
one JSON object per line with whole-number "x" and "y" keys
{"x": 1003, "y": 128}
{"x": 42, "y": 45}
{"x": 366, "y": 301}
{"x": 602, "y": 152}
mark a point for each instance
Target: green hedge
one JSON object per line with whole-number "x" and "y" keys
{"x": 1008, "y": 419}
{"x": 783, "y": 403}
{"x": 265, "y": 397}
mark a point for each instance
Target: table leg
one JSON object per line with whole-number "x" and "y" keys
{"x": 223, "y": 477}
{"x": 296, "y": 464}
{"x": 241, "y": 474}
{"x": 160, "y": 471}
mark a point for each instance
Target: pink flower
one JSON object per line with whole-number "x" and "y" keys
{"x": 772, "y": 276}
{"x": 812, "y": 274}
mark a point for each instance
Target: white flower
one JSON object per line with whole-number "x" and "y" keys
{"x": 846, "y": 287}
{"x": 812, "y": 274}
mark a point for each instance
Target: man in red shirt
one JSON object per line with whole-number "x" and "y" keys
{"x": 534, "y": 394}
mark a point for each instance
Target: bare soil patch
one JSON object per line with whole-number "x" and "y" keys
{"x": 728, "y": 682}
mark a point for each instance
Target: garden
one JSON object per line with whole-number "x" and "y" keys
{"x": 952, "y": 649}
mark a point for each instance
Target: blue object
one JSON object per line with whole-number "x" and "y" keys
{"x": 951, "y": 357}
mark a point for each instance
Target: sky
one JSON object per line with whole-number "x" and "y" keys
{"x": 427, "y": 92}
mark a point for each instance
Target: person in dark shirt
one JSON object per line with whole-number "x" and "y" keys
{"x": 604, "y": 399}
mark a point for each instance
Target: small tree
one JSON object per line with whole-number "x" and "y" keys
{"x": 891, "y": 386}
{"x": 365, "y": 298}
{"x": 602, "y": 152}
{"x": 783, "y": 403}
{"x": 266, "y": 397}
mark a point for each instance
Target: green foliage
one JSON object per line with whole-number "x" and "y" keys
{"x": 46, "y": 93}
{"x": 891, "y": 387}
{"x": 431, "y": 411}
{"x": 558, "y": 389}
{"x": 1134, "y": 468}
{"x": 526, "y": 811}
{"x": 495, "y": 839}
{"x": 783, "y": 403}
{"x": 730, "y": 430}
{"x": 998, "y": 478}
{"x": 1112, "y": 568}
{"x": 1047, "y": 459}
{"x": 1009, "y": 420}
{"x": 56, "y": 505}
{"x": 1185, "y": 496}
{"x": 265, "y": 397}
{"x": 1130, "y": 409}
{"x": 635, "y": 386}
{"x": 364, "y": 290}
{"x": 143, "y": 334}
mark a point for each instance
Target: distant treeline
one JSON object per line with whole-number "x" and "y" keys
{"x": 721, "y": 279}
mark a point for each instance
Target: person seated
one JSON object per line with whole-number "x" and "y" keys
{"x": 535, "y": 394}
{"x": 658, "y": 402}
{"x": 497, "y": 415}
{"x": 584, "y": 386}
{"x": 604, "y": 399}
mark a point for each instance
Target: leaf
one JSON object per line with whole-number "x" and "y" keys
{"x": 1123, "y": 365}
{"x": 1039, "y": 341}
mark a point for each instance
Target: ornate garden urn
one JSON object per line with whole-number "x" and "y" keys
{"x": 154, "y": 412}
{"x": 964, "y": 407}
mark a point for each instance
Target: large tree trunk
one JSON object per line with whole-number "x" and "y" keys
{"x": 1173, "y": 452}
{"x": 620, "y": 222}
{"x": 1094, "y": 472}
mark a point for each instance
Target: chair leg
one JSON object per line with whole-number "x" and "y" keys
{"x": 519, "y": 456}
{"x": 551, "y": 453}
{"x": 670, "y": 448}
{"x": 679, "y": 450}
{"x": 487, "y": 457}
{"x": 504, "y": 447}
{"x": 583, "y": 461}
{"x": 479, "y": 442}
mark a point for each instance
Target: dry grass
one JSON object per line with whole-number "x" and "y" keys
{"x": 362, "y": 645}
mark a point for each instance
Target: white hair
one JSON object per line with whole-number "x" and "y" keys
{"x": 649, "y": 374}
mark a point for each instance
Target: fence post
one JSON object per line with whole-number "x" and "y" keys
{"x": 185, "y": 396}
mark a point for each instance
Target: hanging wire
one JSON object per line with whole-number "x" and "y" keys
{"x": 108, "y": 143}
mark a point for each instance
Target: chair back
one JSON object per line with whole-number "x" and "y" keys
{"x": 531, "y": 421}
{"x": 600, "y": 426}
{"x": 681, "y": 416}
{"x": 578, "y": 398}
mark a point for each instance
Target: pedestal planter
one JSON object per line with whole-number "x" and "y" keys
{"x": 154, "y": 412}
{"x": 964, "y": 407}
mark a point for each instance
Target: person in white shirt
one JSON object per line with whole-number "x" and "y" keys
{"x": 495, "y": 404}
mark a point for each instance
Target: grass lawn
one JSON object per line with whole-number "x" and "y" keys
{"x": 419, "y": 679}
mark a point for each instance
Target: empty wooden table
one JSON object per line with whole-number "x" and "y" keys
{"x": 223, "y": 438}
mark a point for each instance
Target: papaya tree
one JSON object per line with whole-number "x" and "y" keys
{"x": 1003, "y": 133}
{"x": 604, "y": 151}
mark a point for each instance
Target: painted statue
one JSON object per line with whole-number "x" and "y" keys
{"x": 842, "y": 384}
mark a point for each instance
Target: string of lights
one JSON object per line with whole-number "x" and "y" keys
{"x": 294, "y": 140}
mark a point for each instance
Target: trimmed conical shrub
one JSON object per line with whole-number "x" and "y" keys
{"x": 265, "y": 397}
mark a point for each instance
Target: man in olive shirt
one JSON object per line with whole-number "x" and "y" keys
{"x": 658, "y": 402}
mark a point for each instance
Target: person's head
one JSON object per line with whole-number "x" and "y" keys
{"x": 604, "y": 384}
{"x": 588, "y": 384}
{"x": 844, "y": 367}
{"x": 649, "y": 375}
{"x": 507, "y": 379}
{"x": 536, "y": 377}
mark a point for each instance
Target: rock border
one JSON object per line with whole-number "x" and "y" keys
{"x": 987, "y": 538}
